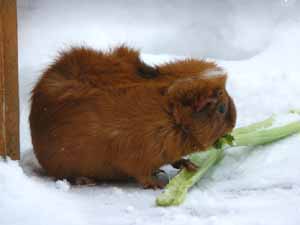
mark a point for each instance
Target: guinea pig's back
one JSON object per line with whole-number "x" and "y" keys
{"x": 65, "y": 120}
{"x": 65, "y": 123}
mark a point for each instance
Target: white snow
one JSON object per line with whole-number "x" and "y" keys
{"x": 214, "y": 72}
{"x": 258, "y": 186}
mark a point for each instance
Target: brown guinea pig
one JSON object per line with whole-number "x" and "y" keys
{"x": 105, "y": 116}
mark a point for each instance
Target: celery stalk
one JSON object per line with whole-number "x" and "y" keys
{"x": 262, "y": 137}
{"x": 175, "y": 192}
{"x": 296, "y": 111}
{"x": 254, "y": 127}
{"x": 177, "y": 188}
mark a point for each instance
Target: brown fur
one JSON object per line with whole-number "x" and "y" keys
{"x": 110, "y": 116}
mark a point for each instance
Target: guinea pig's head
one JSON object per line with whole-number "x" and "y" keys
{"x": 202, "y": 108}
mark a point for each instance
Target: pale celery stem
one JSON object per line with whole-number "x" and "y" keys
{"x": 176, "y": 190}
{"x": 266, "y": 136}
{"x": 255, "y": 126}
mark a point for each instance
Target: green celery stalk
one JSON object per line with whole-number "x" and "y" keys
{"x": 297, "y": 111}
{"x": 262, "y": 137}
{"x": 254, "y": 127}
{"x": 175, "y": 192}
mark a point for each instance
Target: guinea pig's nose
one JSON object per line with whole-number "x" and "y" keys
{"x": 222, "y": 108}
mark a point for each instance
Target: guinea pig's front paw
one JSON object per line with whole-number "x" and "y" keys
{"x": 158, "y": 171}
{"x": 151, "y": 183}
{"x": 185, "y": 163}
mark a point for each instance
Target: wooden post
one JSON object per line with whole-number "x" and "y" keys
{"x": 9, "y": 97}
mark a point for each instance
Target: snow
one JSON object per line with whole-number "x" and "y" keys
{"x": 257, "y": 44}
{"x": 214, "y": 72}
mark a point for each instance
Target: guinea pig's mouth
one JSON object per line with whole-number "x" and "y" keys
{"x": 222, "y": 131}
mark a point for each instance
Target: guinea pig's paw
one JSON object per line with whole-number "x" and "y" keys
{"x": 85, "y": 181}
{"x": 185, "y": 163}
{"x": 159, "y": 171}
{"x": 151, "y": 183}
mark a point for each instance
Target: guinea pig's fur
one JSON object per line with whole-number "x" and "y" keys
{"x": 109, "y": 116}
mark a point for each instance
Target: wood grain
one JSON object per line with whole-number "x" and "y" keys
{"x": 9, "y": 101}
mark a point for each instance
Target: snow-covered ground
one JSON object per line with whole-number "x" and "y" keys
{"x": 250, "y": 186}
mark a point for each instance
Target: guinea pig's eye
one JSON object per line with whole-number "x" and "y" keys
{"x": 219, "y": 93}
{"x": 222, "y": 108}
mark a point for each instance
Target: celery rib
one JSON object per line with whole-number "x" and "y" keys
{"x": 296, "y": 111}
{"x": 176, "y": 190}
{"x": 252, "y": 135}
{"x": 262, "y": 137}
{"x": 254, "y": 127}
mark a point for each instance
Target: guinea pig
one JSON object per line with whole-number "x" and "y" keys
{"x": 109, "y": 116}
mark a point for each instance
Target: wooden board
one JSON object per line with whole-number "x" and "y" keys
{"x": 9, "y": 97}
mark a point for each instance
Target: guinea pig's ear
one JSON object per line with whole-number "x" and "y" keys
{"x": 196, "y": 84}
{"x": 195, "y": 92}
